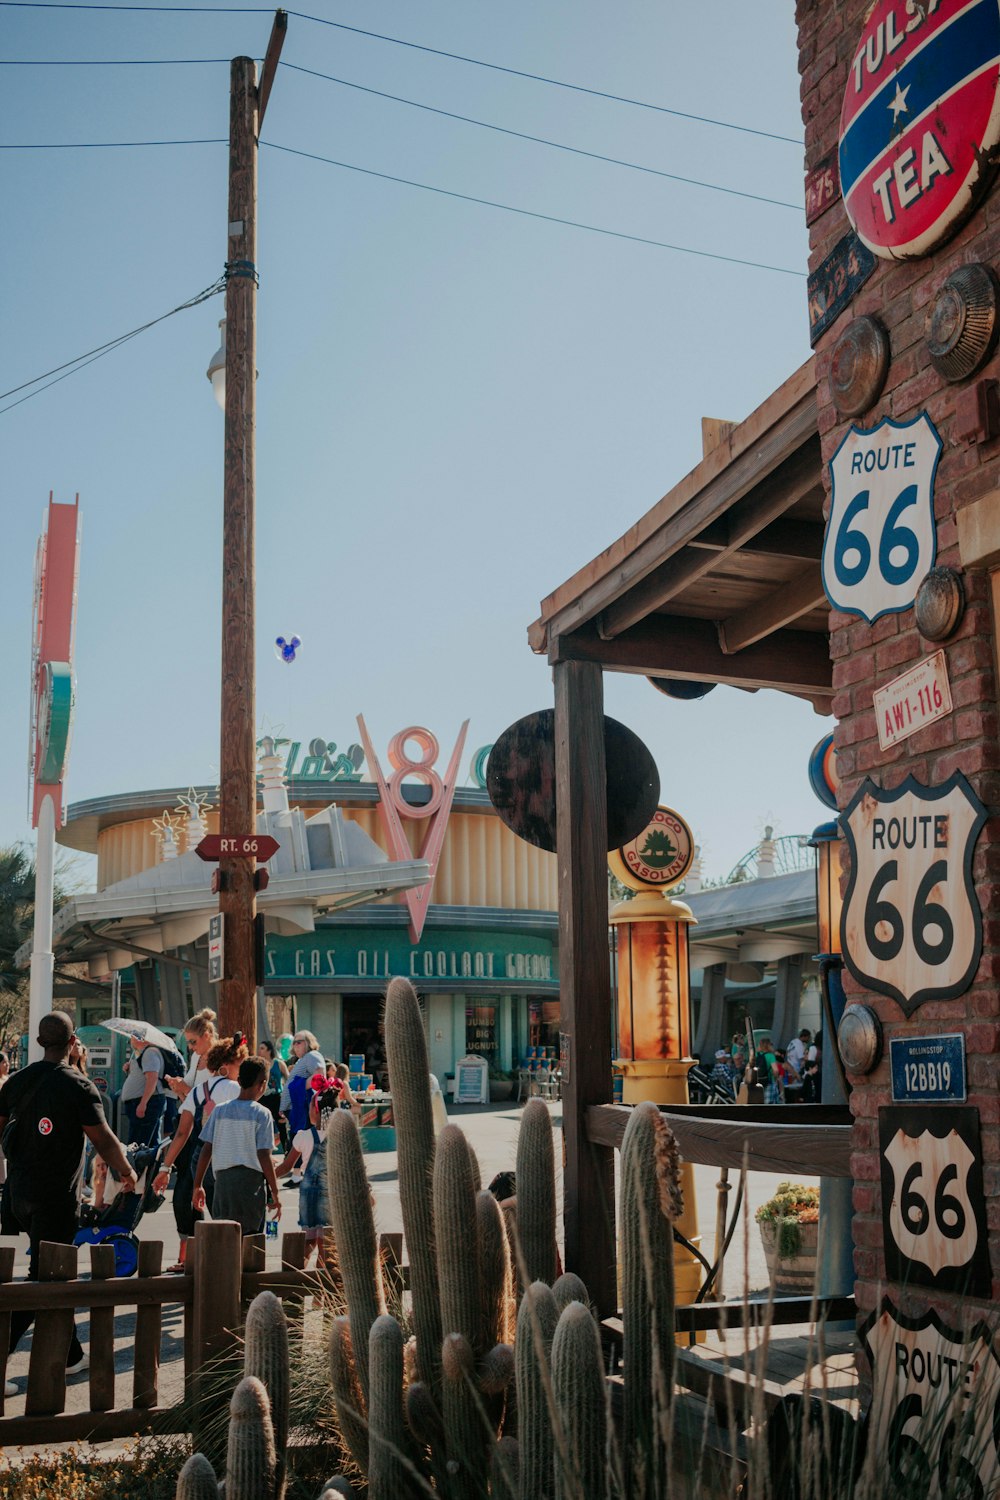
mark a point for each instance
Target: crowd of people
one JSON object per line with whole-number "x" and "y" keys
{"x": 789, "y": 1075}
{"x": 214, "y": 1122}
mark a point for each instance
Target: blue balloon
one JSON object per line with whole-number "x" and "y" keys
{"x": 285, "y": 650}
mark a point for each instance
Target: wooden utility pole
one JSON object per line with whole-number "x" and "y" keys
{"x": 238, "y": 756}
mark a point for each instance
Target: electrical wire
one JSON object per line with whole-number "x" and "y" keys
{"x": 396, "y": 41}
{"x": 217, "y": 140}
{"x": 108, "y": 62}
{"x": 521, "y": 135}
{"x": 529, "y": 213}
{"x": 81, "y": 361}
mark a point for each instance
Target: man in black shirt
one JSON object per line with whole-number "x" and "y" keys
{"x": 53, "y": 1106}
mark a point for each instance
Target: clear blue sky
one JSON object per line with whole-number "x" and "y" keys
{"x": 457, "y": 407}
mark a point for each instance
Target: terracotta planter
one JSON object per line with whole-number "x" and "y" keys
{"x": 796, "y": 1274}
{"x": 500, "y": 1089}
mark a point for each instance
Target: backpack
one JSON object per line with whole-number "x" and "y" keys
{"x": 203, "y": 1106}
{"x": 174, "y": 1065}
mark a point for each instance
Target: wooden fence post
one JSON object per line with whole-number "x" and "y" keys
{"x": 6, "y": 1274}
{"x": 102, "y": 1334}
{"x": 218, "y": 1252}
{"x": 51, "y": 1338}
{"x": 293, "y": 1258}
{"x": 148, "y": 1331}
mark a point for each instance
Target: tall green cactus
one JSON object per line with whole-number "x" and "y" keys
{"x": 348, "y": 1400}
{"x": 251, "y": 1460}
{"x": 354, "y": 1233}
{"x": 581, "y": 1404}
{"x": 650, "y": 1200}
{"x": 390, "y": 1472}
{"x": 496, "y": 1291}
{"x": 467, "y": 1438}
{"x": 266, "y": 1357}
{"x": 409, "y": 1078}
{"x": 197, "y": 1480}
{"x": 536, "y": 1325}
{"x": 536, "y": 1194}
{"x": 569, "y": 1288}
{"x": 458, "y": 1278}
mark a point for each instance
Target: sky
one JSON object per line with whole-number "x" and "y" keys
{"x": 458, "y": 406}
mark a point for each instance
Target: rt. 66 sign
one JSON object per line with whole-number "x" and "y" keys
{"x": 911, "y": 926}
{"x": 880, "y": 538}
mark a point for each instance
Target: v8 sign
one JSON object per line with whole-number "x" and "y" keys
{"x": 880, "y": 538}
{"x": 911, "y": 926}
{"x": 920, "y": 120}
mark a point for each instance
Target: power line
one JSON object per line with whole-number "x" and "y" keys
{"x": 218, "y": 140}
{"x": 379, "y": 36}
{"x": 521, "y": 135}
{"x": 81, "y": 361}
{"x": 108, "y": 62}
{"x": 529, "y": 213}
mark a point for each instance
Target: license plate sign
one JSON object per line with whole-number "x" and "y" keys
{"x": 912, "y": 701}
{"x": 928, "y": 1069}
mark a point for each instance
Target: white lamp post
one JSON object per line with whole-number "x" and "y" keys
{"x": 216, "y": 371}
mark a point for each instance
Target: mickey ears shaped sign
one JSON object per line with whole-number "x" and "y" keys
{"x": 920, "y": 121}
{"x": 912, "y": 926}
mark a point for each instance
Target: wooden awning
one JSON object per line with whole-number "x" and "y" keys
{"x": 720, "y": 581}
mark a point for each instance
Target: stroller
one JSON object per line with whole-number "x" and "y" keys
{"x": 115, "y": 1223}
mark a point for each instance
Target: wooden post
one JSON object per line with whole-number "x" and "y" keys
{"x": 148, "y": 1330}
{"x": 584, "y": 973}
{"x": 218, "y": 1250}
{"x": 102, "y": 1334}
{"x": 7, "y": 1253}
{"x": 237, "y": 755}
{"x": 51, "y": 1337}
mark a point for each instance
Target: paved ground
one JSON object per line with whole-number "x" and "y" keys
{"x": 492, "y": 1130}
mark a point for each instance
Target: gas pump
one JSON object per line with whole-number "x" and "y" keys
{"x": 107, "y": 1054}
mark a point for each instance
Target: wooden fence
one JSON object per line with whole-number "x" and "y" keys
{"x": 225, "y": 1273}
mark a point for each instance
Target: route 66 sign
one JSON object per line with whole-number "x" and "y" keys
{"x": 935, "y": 1414}
{"x": 880, "y": 538}
{"x": 911, "y": 925}
{"x": 933, "y": 1205}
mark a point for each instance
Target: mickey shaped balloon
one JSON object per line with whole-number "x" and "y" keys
{"x": 285, "y": 650}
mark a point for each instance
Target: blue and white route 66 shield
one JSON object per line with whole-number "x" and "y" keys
{"x": 880, "y": 538}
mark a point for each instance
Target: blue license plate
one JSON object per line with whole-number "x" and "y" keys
{"x": 928, "y": 1069}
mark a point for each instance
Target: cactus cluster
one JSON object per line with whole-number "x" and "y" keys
{"x": 502, "y": 1389}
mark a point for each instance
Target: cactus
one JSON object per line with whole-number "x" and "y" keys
{"x": 536, "y": 1195}
{"x": 496, "y": 1291}
{"x": 197, "y": 1481}
{"x": 495, "y": 1370}
{"x": 457, "y": 1245}
{"x": 581, "y": 1404}
{"x": 409, "y": 1075}
{"x": 354, "y": 1232}
{"x": 467, "y": 1436}
{"x": 389, "y": 1472}
{"x": 266, "y": 1357}
{"x": 347, "y": 1397}
{"x": 650, "y": 1199}
{"x": 536, "y": 1324}
{"x": 503, "y": 1468}
{"x": 251, "y": 1461}
{"x": 569, "y": 1288}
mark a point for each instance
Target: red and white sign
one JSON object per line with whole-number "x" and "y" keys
{"x": 259, "y": 846}
{"x": 913, "y": 700}
{"x": 45, "y": 1126}
{"x": 822, "y": 189}
{"x": 393, "y": 805}
{"x": 921, "y": 114}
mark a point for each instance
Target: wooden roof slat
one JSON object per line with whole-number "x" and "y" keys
{"x": 798, "y": 540}
{"x": 794, "y": 477}
{"x": 792, "y": 661}
{"x": 782, "y": 606}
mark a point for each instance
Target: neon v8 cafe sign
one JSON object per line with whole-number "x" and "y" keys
{"x": 393, "y": 806}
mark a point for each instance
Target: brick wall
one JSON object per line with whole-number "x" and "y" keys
{"x": 866, "y": 656}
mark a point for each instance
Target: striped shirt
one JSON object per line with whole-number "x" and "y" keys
{"x": 237, "y": 1131}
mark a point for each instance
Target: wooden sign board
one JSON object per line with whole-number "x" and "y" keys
{"x": 834, "y": 284}
{"x": 933, "y": 1204}
{"x": 912, "y": 926}
{"x": 912, "y": 701}
{"x": 472, "y": 1084}
{"x": 934, "y": 1393}
{"x": 880, "y": 539}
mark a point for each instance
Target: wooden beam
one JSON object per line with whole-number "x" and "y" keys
{"x": 820, "y": 1150}
{"x": 792, "y": 479}
{"x": 798, "y": 541}
{"x": 788, "y": 602}
{"x": 793, "y": 661}
{"x": 585, "y": 975}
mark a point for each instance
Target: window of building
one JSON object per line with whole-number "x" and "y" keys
{"x": 481, "y": 1031}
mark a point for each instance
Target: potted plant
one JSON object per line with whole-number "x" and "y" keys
{"x": 789, "y": 1228}
{"x": 501, "y": 1085}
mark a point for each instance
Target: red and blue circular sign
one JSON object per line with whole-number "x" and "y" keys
{"x": 920, "y": 121}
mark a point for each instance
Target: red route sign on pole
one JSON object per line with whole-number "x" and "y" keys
{"x": 216, "y": 846}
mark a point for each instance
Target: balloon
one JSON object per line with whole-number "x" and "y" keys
{"x": 285, "y": 650}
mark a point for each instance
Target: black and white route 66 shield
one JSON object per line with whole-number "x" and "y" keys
{"x": 933, "y": 1204}
{"x": 911, "y": 926}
